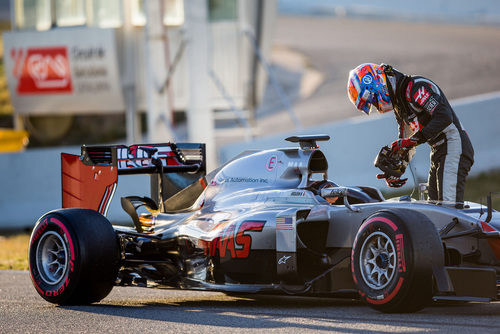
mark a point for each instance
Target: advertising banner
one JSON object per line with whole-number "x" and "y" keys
{"x": 63, "y": 71}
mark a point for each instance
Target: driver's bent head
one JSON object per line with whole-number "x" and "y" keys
{"x": 367, "y": 88}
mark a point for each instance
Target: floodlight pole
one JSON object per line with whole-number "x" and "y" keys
{"x": 200, "y": 120}
{"x": 159, "y": 115}
{"x": 132, "y": 119}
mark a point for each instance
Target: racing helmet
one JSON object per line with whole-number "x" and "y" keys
{"x": 367, "y": 87}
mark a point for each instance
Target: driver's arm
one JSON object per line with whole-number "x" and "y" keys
{"x": 404, "y": 131}
{"x": 424, "y": 99}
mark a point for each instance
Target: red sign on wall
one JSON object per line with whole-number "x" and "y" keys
{"x": 42, "y": 70}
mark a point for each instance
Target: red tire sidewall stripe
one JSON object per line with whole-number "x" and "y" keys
{"x": 36, "y": 235}
{"x": 389, "y": 297}
{"x": 365, "y": 224}
{"x": 381, "y": 219}
{"x": 68, "y": 236}
{"x": 401, "y": 261}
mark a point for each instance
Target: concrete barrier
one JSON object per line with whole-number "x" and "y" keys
{"x": 31, "y": 185}
{"x": 30, "y": 182}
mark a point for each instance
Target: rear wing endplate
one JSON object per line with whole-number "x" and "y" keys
{"x": 90, "y": 179}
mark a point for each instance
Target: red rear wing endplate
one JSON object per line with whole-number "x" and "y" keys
{"x": 89, "y": 180}
{"x": 83, "y": 186}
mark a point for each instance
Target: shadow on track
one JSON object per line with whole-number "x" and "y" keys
{"x": 268, "y": 312}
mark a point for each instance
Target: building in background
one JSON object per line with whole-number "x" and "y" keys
{"x": 91, "y": 56}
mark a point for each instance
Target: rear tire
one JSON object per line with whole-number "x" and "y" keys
{"x": 392, "y": 260}
{"x": 73, "y": 256}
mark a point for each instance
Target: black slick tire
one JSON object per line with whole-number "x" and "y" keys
{"x": 73, "y": 256}
{"x": 393, "y": 258}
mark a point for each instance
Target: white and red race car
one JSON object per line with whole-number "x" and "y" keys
{"x": 265, "y": 222}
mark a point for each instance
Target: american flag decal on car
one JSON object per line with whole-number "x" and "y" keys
{"x": 284, "y": 223}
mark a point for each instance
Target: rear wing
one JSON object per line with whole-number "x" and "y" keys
{"x": 90, "y": 179}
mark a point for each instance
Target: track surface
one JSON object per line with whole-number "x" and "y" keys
{"x": 138, "y": 310}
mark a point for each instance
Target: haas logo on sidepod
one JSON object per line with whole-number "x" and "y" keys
{"x": 42, "y": 70}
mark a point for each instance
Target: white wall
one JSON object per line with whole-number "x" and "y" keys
{"x": 31, "y": 185}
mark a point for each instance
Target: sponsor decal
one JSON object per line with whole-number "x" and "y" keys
{"x": 68, "y": 70}
{"x": 295, "y": 164}
{"x": 421, "y": 96}
{"x": 271, "y": 163}
{"x": 415, "y": 125}
{"x": 431, "y": 105}
{"x": 243, "y": 180}
{"x": 40, "y": 230}
{"x": 42, "y": 70}
{"x": 400, "y": 253}
{"x": 236, "y": 243}
{"x": 367, "y": 79}
{"x": 134, "y": 156}
{"x": 283, "y": 259}
{"x": 298, "y": 193}
{"x": 386, "y": 297}
{"x": 57, "y": 292}
{"x": 284, "y": 223}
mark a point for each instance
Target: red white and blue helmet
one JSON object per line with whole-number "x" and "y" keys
{"x": 367, "y": 87}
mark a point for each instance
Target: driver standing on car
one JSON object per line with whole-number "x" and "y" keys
{"x": 424, "y": 115}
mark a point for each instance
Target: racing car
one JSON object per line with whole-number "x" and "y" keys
{"x": 266, "y": 222}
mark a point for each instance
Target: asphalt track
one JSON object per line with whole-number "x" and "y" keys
{"x": 140, "y": 310}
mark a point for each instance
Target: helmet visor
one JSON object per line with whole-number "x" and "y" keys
{"x": 367, "y": 101}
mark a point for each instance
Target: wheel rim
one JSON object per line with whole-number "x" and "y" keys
{"x": 52, "y": 258}
{"x": 377, "y": 260}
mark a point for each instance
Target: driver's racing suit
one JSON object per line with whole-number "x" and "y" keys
{"x": 424, "y": 114}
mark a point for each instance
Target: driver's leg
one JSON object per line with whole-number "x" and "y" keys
{"x": 432, "y": 182}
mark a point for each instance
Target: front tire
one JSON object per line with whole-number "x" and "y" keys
{"x": 73, "y": 256}
{"x": 392, "y": 260}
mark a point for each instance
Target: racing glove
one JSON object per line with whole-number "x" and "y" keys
{"x": 392, "y": 181}
{"x": 403, "y": 143}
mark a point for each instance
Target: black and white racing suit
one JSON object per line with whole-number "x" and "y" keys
{"x": 424, "y": 114}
